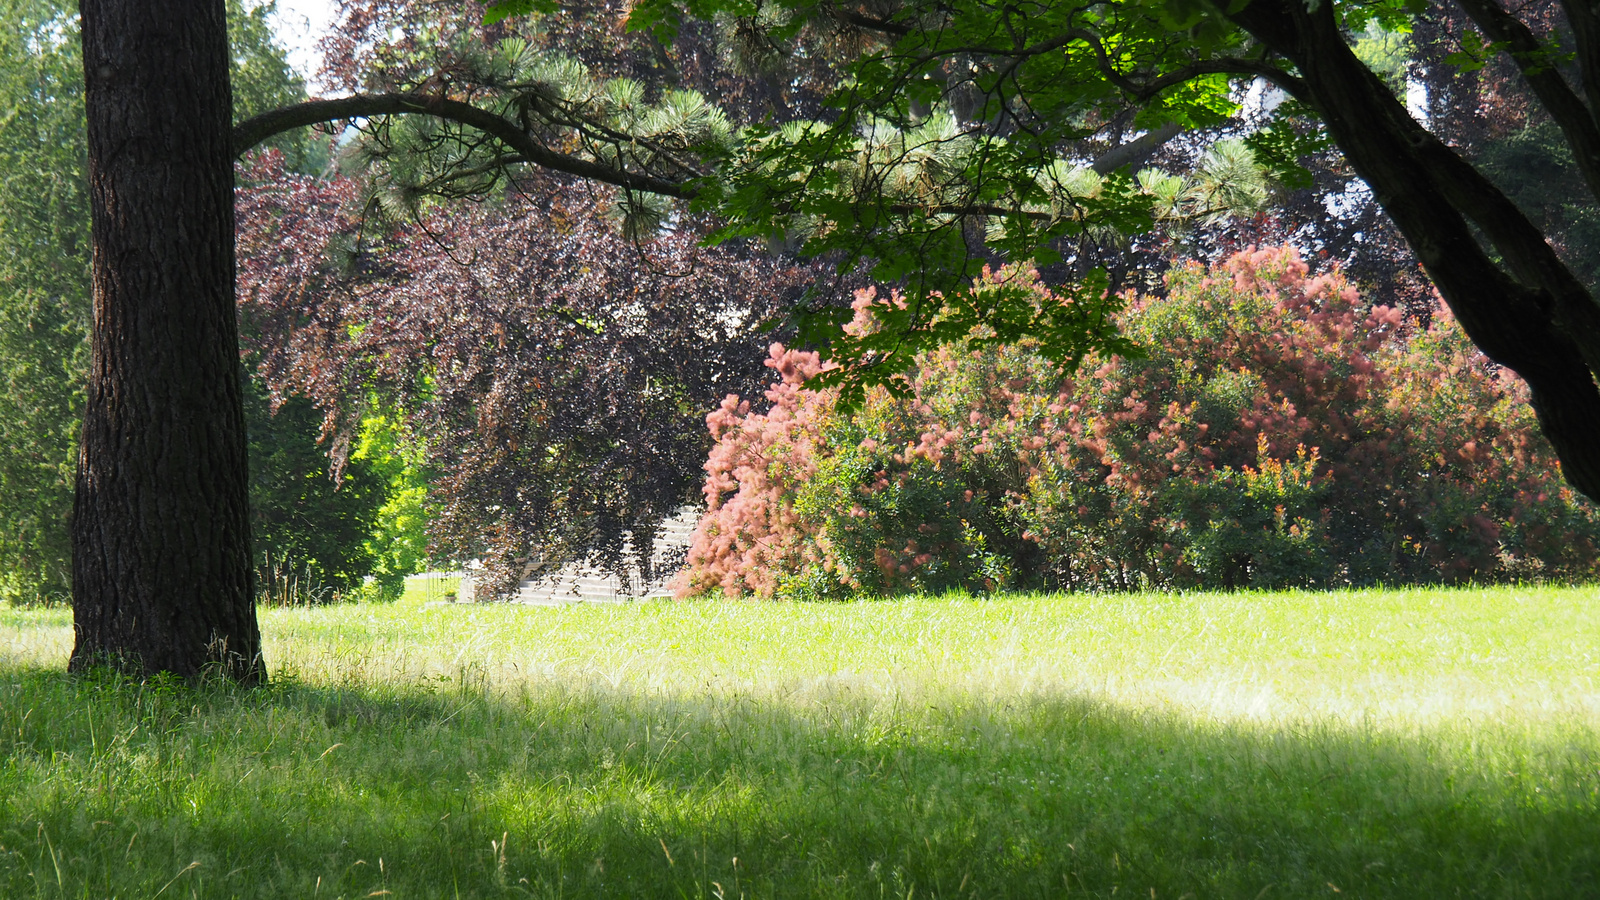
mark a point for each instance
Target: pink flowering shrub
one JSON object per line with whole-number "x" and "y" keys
{"x": 1278, "y": 433}
{"x": 751, "y": 533}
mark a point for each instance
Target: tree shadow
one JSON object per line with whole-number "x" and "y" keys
{"x": 452, "y": 788}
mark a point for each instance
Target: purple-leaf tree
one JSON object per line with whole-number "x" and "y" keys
{"x": 556, "y": 372}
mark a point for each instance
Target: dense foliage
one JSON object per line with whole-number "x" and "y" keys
{"x": 958, "y": 135}
{"x": 397, "y": 542}
{"x": 44, "y": 287}
{"x": 546, "y": 368}
{"x": 447, "y": 107}
{"x": 311, "y": 534}
{"x": 536, "y": 462}
{"x": 1278, "y": 433}
{"x": 552, "y": 373}
{"x": 443, "y": 46}
{"x": 44, "y": 290}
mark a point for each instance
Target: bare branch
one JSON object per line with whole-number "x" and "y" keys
{"x": 1137, "y": 150}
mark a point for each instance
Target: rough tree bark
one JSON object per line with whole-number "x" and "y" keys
{"x": 161, "y": 534}
{"x": 1525, "y": 310}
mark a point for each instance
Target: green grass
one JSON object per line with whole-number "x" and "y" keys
{"x": 431, "y": 587}
{"x": 1381, "y": 744}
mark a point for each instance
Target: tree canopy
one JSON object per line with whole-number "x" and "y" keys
{"x": 965, "y": 131}
{"x": 1021, "y": 81}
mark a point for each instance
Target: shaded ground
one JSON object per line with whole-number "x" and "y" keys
{"x": 911, "y": 748}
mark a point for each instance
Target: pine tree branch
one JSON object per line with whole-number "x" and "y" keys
{"x": 253, "y": 131}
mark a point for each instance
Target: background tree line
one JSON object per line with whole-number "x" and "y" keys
{"x": 357, "y": 312}
{"x": 1206, "y": 187}
{"x": 304, "y": 527}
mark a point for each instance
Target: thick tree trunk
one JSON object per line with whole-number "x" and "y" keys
{"x": 1525, "y": 310}
{"x": 161, "y": 534}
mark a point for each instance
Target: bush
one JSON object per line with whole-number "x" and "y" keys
{"x": 398, "y": 540}
{"x": 1278, "y": 434}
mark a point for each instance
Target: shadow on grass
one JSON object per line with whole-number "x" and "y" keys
{"x": 445, "y": 789}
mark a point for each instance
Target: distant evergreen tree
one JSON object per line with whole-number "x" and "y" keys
{"x": 311, "y": 535}
{"x": 44, "y": 283}
{"x": 44, "y": 293}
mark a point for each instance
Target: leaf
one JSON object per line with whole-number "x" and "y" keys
{"x": 1294, "y": 133}
{"x": 506, "y": 9}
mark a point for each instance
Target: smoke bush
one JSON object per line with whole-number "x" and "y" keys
{"x": 1278, "y": 433}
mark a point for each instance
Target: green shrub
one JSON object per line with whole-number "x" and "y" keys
{"x": 1278, "y": 433}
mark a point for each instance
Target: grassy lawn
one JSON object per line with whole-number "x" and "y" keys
{"x": 1411, "y": 744}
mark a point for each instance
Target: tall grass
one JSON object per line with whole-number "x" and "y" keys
{"x": 1376, "y": 744}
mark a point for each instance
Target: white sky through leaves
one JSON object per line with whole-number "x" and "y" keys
{"x": 299, "y": 25}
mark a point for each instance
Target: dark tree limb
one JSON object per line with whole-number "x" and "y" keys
{"x": 865, "y": 22}
{"x": 1137, "y": 150}
{"x": 1142, "y": 91}
{"x": 1585, "y": 21}
{"x": 1533, "y": 59}
{"x": 251, "y": 132}
{"x": 1530, "y": 314}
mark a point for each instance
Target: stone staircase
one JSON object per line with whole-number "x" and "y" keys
{"x": 580, "y": 583}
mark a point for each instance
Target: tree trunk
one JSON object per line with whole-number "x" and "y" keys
{"x": 1525, "y": 310}
{"x": 161, "y": 533}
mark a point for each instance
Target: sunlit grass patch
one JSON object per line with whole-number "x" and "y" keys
{"x": 1398, "y": 744}
{"x": 431, "y": 587}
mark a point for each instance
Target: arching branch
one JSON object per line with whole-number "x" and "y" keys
{"x": 253, "y": 131}
{"x": 1137, "y": 150}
